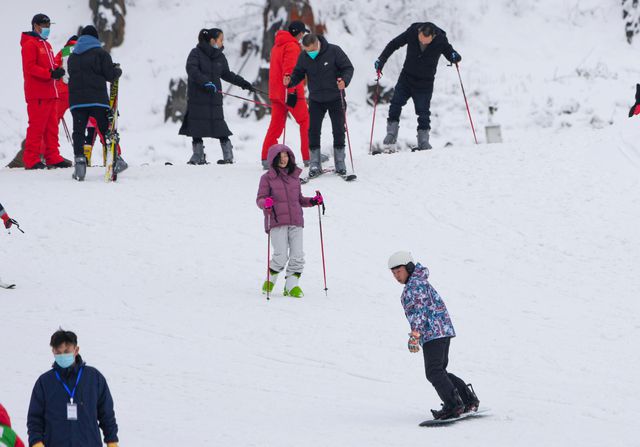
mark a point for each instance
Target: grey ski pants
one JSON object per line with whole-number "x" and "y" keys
{"x": 287, "y": 246}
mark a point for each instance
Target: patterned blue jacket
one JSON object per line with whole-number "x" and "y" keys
{"x": 424, "y": 307}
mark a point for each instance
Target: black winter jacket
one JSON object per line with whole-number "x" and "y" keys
{"x": 419, "y": 66}
{"x": 90, "y": 68}
{"x": 47, "y": 417}
{"x": 205, "y": 116}
{"x": 323, "y": 71}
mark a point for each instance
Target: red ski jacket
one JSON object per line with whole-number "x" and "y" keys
{"x": 284, "y": 56}
{"x": 37, "y": 63}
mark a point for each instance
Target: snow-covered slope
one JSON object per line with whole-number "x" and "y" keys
{"x": 533, "y": 247}
{"x": 532, "y": 243}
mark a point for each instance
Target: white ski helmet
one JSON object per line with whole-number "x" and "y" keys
{"x": 400, "y": 258}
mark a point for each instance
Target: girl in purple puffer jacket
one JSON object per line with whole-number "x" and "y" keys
{"x": 280, "y": 197}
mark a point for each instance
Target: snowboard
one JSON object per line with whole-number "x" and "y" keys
{"x": 7, "y": 286}
{"x": 442, "y": 422}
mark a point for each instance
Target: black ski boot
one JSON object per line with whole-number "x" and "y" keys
{"x": 62, "y": 164}
{"x": 451, "y": 409}
{"x": 472, "y": 401}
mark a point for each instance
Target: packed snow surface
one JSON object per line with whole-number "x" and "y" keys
{"x": 532, "y": 243}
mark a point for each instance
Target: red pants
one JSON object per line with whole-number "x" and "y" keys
{"x": 278, "y": 120}
{"x": 42, "y": 133}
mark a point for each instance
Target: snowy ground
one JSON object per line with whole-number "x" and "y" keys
{"x": 534, "y": 248}
{"x": 532, "y": 243}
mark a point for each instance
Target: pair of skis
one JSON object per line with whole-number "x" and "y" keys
{"x": 112, "y": 138}
{"x": 345, "y": 177}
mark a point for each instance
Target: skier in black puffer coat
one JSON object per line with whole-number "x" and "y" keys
{"x": 206, "y": 65}
{"x": 425, "y": 44}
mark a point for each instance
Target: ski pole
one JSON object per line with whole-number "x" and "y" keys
{"x": 268, "y": 255}
{"x": 467, "y": 104}
{"x": 375, "y": 104}
{"x": 284, "y": 131}
{"x": 17, "y": 225}
{"x": 246, "y": 99}
{"x": 324, "y": 269}
{"x": 66, "y": 130}
{"x": 346, "y": 127}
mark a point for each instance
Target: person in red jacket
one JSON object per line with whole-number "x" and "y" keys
{"x": 63, "y": 83}
{"x": 8, "y": 437}
{"x": 41, "y": 93}
{"x": 284, "y": 56}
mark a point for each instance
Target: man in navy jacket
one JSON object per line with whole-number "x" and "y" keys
{"x": 71, "y": 402}
{"x": 425, "y": 44}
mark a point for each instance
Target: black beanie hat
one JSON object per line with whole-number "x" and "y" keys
{"x": 89, "y": 30}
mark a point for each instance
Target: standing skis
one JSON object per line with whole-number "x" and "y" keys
{"x": 112, "y": 138}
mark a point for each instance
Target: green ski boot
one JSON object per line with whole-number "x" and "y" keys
{"x": 291, "y": 287}
{"x": 296, "y": 292}
{"x": 268, "y": 285}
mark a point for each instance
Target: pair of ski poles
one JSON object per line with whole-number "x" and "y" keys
{"x": 377, "y": 95}
{"x": 324, "y": 268}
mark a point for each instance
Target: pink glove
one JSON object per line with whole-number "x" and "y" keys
{"x": 268, "y": 203}
{"x": 317, "y": 200}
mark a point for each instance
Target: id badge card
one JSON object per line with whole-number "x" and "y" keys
{"x": 72, "y": 412}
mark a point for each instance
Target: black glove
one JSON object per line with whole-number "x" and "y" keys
{"x": 292, "y": 99}
{"x": 117, "y": 71}
{"x": 378, "y": 64}
{"x": 246, "y": 85}
{"x": 455, "y": 57}
{"x": 57, "y": 73}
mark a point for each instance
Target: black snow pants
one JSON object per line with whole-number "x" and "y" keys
{"x": 436, "y": 359}
{"x": 317, "y": 111}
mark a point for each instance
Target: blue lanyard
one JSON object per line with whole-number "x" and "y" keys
{"x": 71, "y": 393}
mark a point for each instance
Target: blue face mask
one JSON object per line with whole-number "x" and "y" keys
{"x": 313, "y": 54}
{"x": 64, "y": 360}
{"x": 45, "y": 33}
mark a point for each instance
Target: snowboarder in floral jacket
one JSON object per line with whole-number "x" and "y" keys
{"x": 431, "y": 327}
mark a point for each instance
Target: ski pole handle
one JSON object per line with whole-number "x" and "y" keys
{"x": 15, "y": 222}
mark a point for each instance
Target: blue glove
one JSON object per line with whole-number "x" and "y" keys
{"x": 455, "y": 57}
{"x": 378, "y": 64}
{"x": 211, "y": 86}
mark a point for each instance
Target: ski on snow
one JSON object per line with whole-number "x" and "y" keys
{"x": 441, "y": 422}
{"x": 7, "y": 286}
{"x": 345, "y": 177}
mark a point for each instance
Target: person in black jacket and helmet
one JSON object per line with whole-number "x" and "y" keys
{"x": 425, "y": 44}
{"x": 206, "y": 66}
